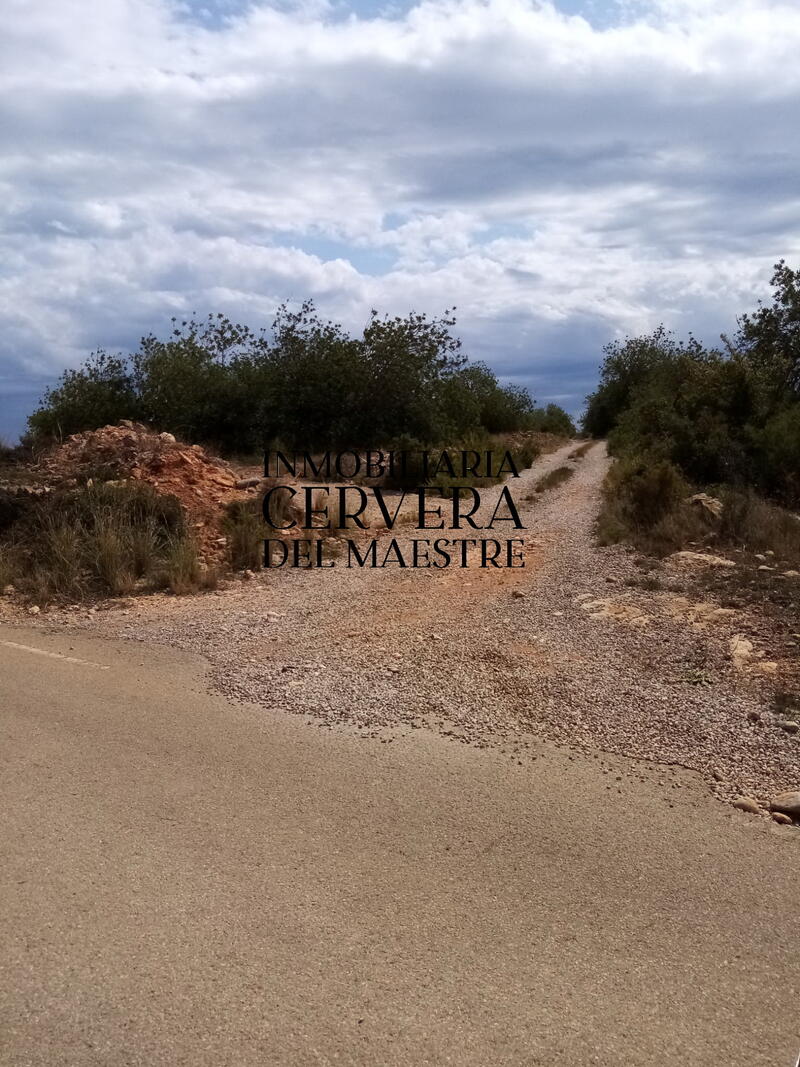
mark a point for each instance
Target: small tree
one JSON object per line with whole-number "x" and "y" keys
{"x": 99, "y": 392}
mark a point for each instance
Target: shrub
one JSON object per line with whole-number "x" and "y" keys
{"x": 101, "y": 391}
{"x": 307, "y": 382}
{"x": 182, "y": 572}
{"x": 727, "y": 416}
{"x": 644, "y": 490}
{"x": 410, "y": 475}
{"x": 245, "y": 529}
{"x": 552, "y": 419}
{"x": 9, "y": 567}
{"x": 95, "y": 540}
{"x": 754, "y": 524}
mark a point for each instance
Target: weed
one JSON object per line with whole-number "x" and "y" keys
{"x": 92, "y": 540}
{"x": 245, "y": 530}
{"x": 554, "y": 478}
{"x": 182, "y": 572}
{"x": 580, "y": 451}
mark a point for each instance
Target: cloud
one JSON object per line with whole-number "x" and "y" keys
{"x": 561, "y": 181}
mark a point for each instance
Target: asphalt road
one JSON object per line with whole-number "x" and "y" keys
{"x": 190, "y": 882}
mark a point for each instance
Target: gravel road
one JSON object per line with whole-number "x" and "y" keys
{"x": 560, "y": 651}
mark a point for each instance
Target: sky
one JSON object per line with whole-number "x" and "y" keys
{"x": 564, "y": 174}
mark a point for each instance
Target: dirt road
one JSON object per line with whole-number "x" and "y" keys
{"x": 187, "y": 881}
{"x": 572, "y": 648}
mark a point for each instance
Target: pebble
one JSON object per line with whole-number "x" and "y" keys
{"x": 787, "y": 803}
{"x": 747, "y": 804}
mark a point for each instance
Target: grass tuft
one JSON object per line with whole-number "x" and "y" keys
{"x": 554, "y": 479}
{"x": 245, "y": 529}
{"x": 94, "y": 541}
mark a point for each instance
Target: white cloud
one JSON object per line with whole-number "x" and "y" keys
{"x": 559, "y": 183}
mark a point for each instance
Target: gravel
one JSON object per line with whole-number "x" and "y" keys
{"x": 580, "y": 658}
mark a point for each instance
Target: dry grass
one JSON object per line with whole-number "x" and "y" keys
{"x": 752, "y": 524}
{"x": 648, "y": 507}
{"x": 554, "y": 479}
{"x": 246, "y": 530}
{"x": 8, "y": 567}
{"x": 580, "y": 452}
{"x": 98, "y": 540}
{"x": 182, "y": 572}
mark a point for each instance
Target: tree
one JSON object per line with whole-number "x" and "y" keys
{"x": 99, "y": 392}
{"x": 770, "y": 337}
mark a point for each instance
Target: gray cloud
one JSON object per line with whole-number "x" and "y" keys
{"x": 562, "y": 184}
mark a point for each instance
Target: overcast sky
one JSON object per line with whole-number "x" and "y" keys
{"x": 562, "y": 173}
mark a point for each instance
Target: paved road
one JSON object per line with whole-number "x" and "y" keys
{"x": 188, "y": 882}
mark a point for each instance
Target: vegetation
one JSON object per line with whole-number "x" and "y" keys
{"x": 523, "y": 453}
{"x": 244, "y": 528}
{"x": 729, "y": 416}
{"x": 552, "y": 419}
{"x": 306, "y": 384}
{"x": 679, "y": 417}
{"x": 96, "y": 539}
{"x": 554, "y": 478}
{"x": 581, "y": 450}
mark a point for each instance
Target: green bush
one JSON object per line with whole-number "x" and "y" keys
{"x": 729, "y": 416}
{"x": 552, "y": 419}
{"x": 102, "y": 391}
{"x": 644, "y": 490}
{"x": 306, "y": 382}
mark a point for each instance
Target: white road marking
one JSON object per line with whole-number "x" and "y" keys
{"x": 55, "y": 655}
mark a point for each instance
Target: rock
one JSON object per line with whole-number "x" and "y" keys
{"x": 747, "y": 804}
{"x": 247, "y": 483}
{"x": 791, "y": 574}
{"x": 760, "y": 555}
{"x": 790, "y": 727}
{"x": 741, "y": 648}
{"x": 709, "y": 505}
{"x": 787, "y": 803}
{"x": 167, "y": 438}
{"x": 9, "y": 590}
{"x": 518, "y": 594}
{"x": 34, "y": 609}
{"x": 717, "y": 775}
{"x": 764, "y": 567}
{"x": 753, "y": 716}
{"x": 701, "y": 559}
{"x": 782, "y": 819}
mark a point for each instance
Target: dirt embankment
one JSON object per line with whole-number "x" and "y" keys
{"x": 203, "y": 483}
